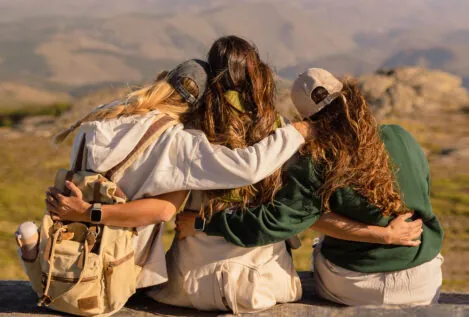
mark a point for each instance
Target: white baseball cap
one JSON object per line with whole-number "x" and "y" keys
{"x": 313, "y": 90}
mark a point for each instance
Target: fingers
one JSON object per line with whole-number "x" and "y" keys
{"x": 405, "y": 216}
{"x": 415, "y": 234}
{"x": 411, "y": 243}
{"x": 416, "y": 224}
{"x": 50, "y": 207}
{"x": 55, "y": 217}
{"x": 75, "y": 191}
{"x": 54, "y": 192}
{"x": 50, "y": 201}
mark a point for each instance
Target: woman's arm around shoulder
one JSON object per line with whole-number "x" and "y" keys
{"x": 295, "y": 208}
{"x": 218, "y": 167}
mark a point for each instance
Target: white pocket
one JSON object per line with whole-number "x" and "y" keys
{"x": 203, "y": 289}
{"x": 242, "y": 289}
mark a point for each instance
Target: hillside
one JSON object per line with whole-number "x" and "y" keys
{"x": 406, "y": 96}
{"x": 72, "y": 47}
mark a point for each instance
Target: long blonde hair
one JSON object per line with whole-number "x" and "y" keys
{"x": 158, "y": 96}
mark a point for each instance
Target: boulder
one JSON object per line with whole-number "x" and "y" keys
{"x": 405, "y": 91}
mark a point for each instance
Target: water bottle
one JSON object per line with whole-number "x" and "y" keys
{"x": 27, "y": 237}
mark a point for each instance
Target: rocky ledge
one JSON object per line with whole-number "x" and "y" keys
{"x": 17, "y": 299}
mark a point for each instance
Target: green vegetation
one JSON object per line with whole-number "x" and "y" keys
{"x": 451, "y": 195}
{"x": 10, "y": 115}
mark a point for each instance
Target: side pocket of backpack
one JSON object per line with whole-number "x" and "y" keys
{"x": 120, "y": 271}
{"x": 84, "y": 298}
{"x": 34, "y": 273}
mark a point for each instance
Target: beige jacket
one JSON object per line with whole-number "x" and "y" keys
{"x": 179, "y": 160}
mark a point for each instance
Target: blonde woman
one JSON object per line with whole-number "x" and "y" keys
{"x": 179, "y": 160}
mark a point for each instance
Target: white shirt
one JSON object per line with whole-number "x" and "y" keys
{"x": 178, "y": 160}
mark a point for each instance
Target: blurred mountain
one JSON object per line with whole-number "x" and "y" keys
{"x": 76, "y": 46}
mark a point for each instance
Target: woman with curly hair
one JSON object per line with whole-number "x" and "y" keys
{"x": 358, "y": 169}
{"x": 207, "y": 272}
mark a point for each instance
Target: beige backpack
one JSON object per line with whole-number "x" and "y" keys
{"x": 82, "y": 268}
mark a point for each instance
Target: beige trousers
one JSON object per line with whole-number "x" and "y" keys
{"x": 419, "y": 285}
{"x": 209, "y": 273}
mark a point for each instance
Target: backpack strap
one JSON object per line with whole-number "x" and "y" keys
{"x": 156, "y": 229}
{"x": 159, "y": 126}
{"x": 78, "y": 164}
{"x": 149, "y": 245}
{"x": 80, "y": 160}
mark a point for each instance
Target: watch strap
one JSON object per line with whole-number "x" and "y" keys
{"x": 96, "y": 207}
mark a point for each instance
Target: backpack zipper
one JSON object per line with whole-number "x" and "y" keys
{"x": 110, "y": 265}
{"x": 72, "y": 280}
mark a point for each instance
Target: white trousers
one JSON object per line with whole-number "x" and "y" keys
{"x": 419, "y": 285}
{"x": 209, "y": 273}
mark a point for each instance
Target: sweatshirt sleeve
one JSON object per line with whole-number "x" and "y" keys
{"x": 295, "y": 208}
{"x": 218, "y": 167}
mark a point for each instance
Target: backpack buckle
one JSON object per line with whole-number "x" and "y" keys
{"x": 45, "y": 300}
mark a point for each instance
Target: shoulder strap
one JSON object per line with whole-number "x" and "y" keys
{"x": 156, "y": 229}
{"x": 80, "y": 160}
{"x": 158, "y": 127}
{"x": 78, "y": 165}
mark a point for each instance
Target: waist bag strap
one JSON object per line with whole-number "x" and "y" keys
{"x": 158, "y": 127}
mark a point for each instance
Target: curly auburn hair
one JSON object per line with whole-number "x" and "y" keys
{"x": 350, "y": 153}
{"x": 235, "y": 65}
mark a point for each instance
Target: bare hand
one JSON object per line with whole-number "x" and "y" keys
{"x": 306, "y": 129}
{"x": 72, "y": 208}
{"x": 185, "y": 222}
{"x": 401, "y": 232}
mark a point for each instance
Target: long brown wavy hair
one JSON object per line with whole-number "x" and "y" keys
{"x": 349, "y": 152}
{"x": 235, "y": 65}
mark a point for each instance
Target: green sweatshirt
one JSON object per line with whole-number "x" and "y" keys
{"x": 297, "y": 206}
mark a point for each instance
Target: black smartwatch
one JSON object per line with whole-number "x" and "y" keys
{"x": 199, "y": 224}
{"x": 96, "y": 213}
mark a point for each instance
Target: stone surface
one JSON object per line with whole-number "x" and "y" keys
{"x": 404, "y": 91}
{"x": 17, "y": 299}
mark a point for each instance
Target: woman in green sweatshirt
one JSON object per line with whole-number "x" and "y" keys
{"x": 358, "y": 169}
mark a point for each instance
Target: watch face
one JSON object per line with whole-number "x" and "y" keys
{"x": 199, "y": 224}
{"x": 95, "y": 215}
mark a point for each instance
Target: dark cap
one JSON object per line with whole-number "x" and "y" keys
{"x": 197, "y": 71}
